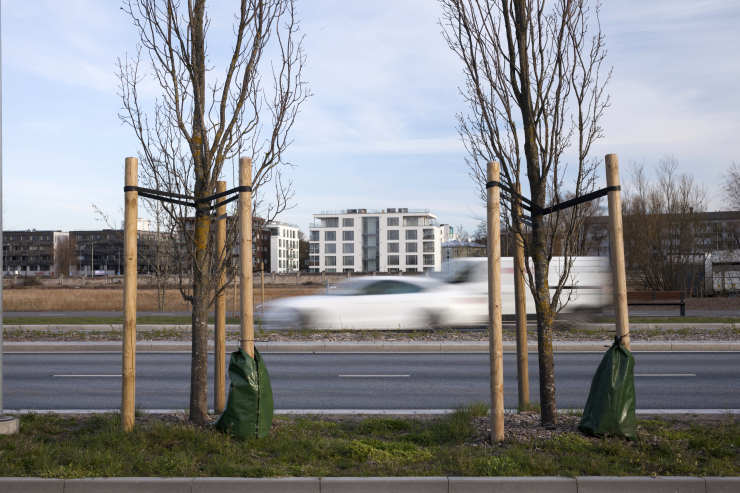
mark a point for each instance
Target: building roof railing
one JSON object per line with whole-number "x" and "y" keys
{"x": 389, "y": 210}
{"x": 320, "y": 225}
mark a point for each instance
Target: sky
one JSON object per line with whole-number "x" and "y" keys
{"x": 380, "y": 128}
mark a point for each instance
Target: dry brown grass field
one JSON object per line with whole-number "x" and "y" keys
{"x": 111, "y": 299}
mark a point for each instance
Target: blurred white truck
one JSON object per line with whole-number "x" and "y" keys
{"x": 588, "y": 287}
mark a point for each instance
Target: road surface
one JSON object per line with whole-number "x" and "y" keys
{"x": 377, "y": 381}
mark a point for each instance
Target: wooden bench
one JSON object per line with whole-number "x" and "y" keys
{"x": 657, "y": 298}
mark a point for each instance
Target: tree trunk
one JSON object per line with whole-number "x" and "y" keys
{"x": 199, "y": 359}
{"x": 544, "y": 326}
{"x": 201, "y": 270}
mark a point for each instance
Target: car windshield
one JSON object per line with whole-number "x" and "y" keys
{"x": 370, "y": 288}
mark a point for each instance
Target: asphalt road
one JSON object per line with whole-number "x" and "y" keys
{"x": 667, "y": 380}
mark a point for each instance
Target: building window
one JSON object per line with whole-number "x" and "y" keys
{"x": 411, "y": 221}
{"x": 348, "y": 248}
{"x": 428, "y": 259}
{"x": 392, "y": 234}
{"x": 348, "y": 235}
{"x": 330, "y": 222}
{"x": 332, "y": 269}
{"x": 330, "y": 248}
{"x": 428, "y": 234}
{"x": 411, "y": 260}
{"x": 348, "y": 222}
{"x": 313, "y": 261}
{"x": 428, "y": 246}
{"x": 313, "y": 248}
{"x": 411, "y": 234}
{"x": 412, "y": 247}
{"x": 314, "y": 236}
{"x": 348, "y": 260}
{"x": 330, "y": 260}
{"x": 392, "y": 247}
{"x": 392, "y": 259}
{"x": 330, "y": 236}
{"x": 392, "y": 221}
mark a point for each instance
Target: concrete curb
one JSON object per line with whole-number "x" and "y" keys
{"x": 435, "y": 484}
{"x": 369, "y": 347}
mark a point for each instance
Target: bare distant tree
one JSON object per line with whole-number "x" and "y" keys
{"x": 535, "y": 82}
{"x": 64, "y": 255}
{"x": 662, "y": 230}
{"x": 732, "y": 186}
{"x": 202, "y": 120}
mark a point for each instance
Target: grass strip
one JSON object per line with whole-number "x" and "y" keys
{"x": 170, "y": 333}
{"x": 184, "y": 319}
{"x": 657, "y": 319}
{"x": 81, "y": 446}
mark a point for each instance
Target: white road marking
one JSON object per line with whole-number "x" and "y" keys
{"x": 374, "y": 376}
{"x": 85, "y": 376}
{"x": 665, "y": 374}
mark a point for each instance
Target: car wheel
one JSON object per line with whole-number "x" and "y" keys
{"x": 305, "y": 321}
{"x": 431, "y": 320}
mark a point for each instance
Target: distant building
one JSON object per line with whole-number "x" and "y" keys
{"x": 722, "y": 272}
{"x": 283, "y": 247}
{"x": 261, "y": 258}
{"x": 715, "y": 231}
{"x": 100, "y": 252}
{"x": 448, "y": 233}
{"x": 387, "y": 240}
{"x": 31, "y": 252}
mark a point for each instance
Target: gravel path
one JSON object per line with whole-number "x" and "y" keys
{"x": 730, "y": 332}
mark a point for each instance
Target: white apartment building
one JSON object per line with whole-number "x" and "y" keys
{"x": 283, "y": 247}
{"x": 387, "y": 240}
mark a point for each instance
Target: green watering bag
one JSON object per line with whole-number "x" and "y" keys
{"x": 249, "y": 408}
{"x": 610, "y": 408}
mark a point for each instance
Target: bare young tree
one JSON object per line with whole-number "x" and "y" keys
{"x": 535, "y": 90}
{"x": 662, "y": 229}
{"x": 204, "y": 118}
{"x": 732, "y": 186}
{"x": 64, "y": 255}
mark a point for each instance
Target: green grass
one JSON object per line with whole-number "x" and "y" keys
{"x": 74, "y": 447}
{"x": 185, "y": 319}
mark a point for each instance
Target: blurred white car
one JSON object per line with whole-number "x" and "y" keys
{"x": 380, "y": 302}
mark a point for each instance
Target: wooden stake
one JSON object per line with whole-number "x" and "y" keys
{"x": 520, "y": 301}
{"x": 616, "y": 243}
{"x": 219, "y": 357}
{"x": 128, "y": 386}
{"x": 495, "y": 340}
{"x": 245, "y": 257}
{"x": 262, "y": 287}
